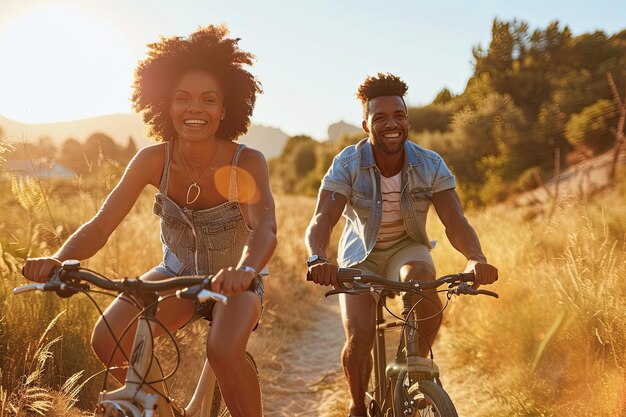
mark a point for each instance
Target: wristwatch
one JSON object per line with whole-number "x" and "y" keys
{"x": 315, "y": 259}
{"x": 247, "y": 268}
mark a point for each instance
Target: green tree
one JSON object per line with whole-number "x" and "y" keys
{"x": 591, "y": 127}
{"x": 524, "y": 65}
{"x": 434, "y": 117}
{"x": 73, "y": 156}
{"x": 299, "y": 157}
{"x": 443, "y": 97}
{"x": 47, "y": 148}
{"x": 100, "y": 145}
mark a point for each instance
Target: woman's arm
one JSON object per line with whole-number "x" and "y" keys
{"x": 258, "y": 203}
{"x": 93, "y": 235}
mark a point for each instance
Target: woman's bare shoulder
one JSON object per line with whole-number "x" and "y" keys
{"x": 149, "y": 162}
{"x": 251, "y": 157}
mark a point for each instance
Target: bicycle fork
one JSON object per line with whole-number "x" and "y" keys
{"x": 417, "y": 368}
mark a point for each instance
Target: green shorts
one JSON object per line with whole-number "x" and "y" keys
{"x": 388, "y": 262}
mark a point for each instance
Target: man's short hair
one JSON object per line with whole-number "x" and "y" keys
{"x": 380, "y": 85}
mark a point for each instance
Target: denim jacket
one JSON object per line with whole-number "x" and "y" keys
{"x": 354, "y": 174}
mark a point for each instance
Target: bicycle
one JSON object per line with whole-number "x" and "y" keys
{"x": 409, "y": 385}
{"x": 143, "y": 394}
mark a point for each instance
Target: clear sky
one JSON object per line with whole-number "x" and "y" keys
{"x": 71, "y": 59}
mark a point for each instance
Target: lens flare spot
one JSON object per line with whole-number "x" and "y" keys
{"x": 247, "y": 191}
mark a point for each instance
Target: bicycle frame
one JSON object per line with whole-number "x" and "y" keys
{"x": 414, "y": 379}
{"x": 386, "y": 374}
{"x": 139, "y": 373}
{"x": 133, "y": 398}
{"x": 382, "y": 385}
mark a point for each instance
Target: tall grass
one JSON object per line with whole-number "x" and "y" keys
{"x": 553, "y": 344}
{"x": 31, "y": 393}
{"x": 134, "y": 248}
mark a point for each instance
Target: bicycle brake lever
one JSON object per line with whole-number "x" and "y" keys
{"x": 199, "y": 293}
{"x": 350, "y": 291}
{"x": 39, "y": 286}
{"x": 205, "y": 295}
{"x": 489, "y": 293}
{"x": 28, "y": 287}
{"x": 467, "y": 290}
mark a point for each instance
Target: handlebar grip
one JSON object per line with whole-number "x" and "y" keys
{"x": 467, "y": 276}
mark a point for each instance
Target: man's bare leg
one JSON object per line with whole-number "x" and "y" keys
{"x": 429, "y": 308}
{"x": 358, "y": 314}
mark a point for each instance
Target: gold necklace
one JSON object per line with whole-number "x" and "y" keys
{"x": 194, "y": 184}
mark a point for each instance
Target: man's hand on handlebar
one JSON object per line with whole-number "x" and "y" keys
{"x": 484, "y": 273}
{"x": 324, "y": 273}
{"x": 38, "y": 269}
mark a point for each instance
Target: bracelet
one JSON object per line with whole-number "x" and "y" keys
{"x": 247, "y": 268}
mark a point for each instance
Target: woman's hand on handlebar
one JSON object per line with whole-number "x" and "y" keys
{"x": 232, "y": 281}
{"x": 38, "y": 269}
{"x": 484, "y": 273}
{"x": 323, "y": 273}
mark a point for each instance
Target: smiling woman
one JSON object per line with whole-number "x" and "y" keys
{"x": 62, "y": 63}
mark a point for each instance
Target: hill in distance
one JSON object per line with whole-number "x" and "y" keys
{"x": 120, "y": 127}
{"x": 337, "y": 130}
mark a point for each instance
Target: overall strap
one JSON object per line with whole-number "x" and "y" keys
{"x": 166, "y": 169}
{"x": 232, "y": 187}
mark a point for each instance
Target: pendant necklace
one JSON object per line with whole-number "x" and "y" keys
{"x": 194, "y": 187}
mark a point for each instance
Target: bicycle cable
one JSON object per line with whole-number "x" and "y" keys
{"x": 106, "y": 323}
{"x": 132, "y": 300}
{"x": 405, "y": 323}
{"x": 127, "y": 329}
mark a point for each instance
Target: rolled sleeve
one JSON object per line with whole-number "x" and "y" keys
{"x": 337, "y": 179}
{"x": 444, "y": 180}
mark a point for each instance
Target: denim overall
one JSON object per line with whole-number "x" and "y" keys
{"x": 201, "y": 242}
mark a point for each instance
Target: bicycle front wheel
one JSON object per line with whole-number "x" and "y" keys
{"x": 427, "y": 399}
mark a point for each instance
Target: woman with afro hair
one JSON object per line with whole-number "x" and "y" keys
{"x": 214, "y": 202}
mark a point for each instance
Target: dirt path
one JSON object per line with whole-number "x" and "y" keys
{"x": 308, "y": 385}
{"x": 312, "y": 385}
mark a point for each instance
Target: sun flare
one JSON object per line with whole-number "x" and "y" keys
{"x": 62, "y": 63}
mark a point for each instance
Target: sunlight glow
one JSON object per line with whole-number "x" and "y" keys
{"x": 62, "y": 63}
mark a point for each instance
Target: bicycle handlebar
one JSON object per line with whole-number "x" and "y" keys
{"x": 362, "y": 281}
{"x": 69, "y": 278}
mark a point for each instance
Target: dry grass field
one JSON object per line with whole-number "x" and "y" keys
{"x": 554, "y": 344}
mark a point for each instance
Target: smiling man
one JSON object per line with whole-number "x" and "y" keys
{"x": 383, "y": 186}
